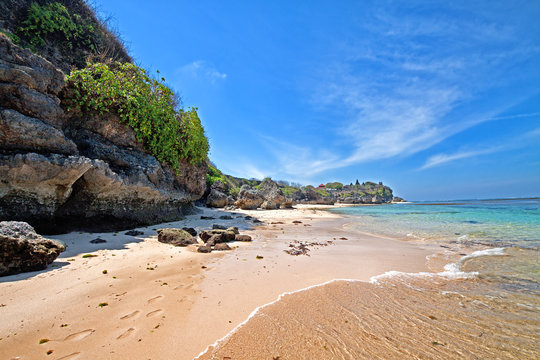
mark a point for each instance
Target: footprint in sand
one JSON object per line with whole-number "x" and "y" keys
{"x": 125, "y": 334}
{"x": 154, "y": 313}
{"x": 73, "y": 356}
{"x": 155, "y": 298}
{"x": 79, "y": 335}
{"x": 130, "y": 315}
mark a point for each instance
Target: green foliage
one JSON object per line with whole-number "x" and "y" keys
{"x": 334, "y": 185}
{"x": 213, "y": 175}
{"x": 289, "y": 190}
{"x": 322, "y": 192}
{"x": 143, "y": 103}
{"x": 53, "y": 21}
{"x": 234, "y": 191}
{"x": 14, "y": 38}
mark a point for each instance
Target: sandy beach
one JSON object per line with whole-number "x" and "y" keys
{"x": 140, "y": 299}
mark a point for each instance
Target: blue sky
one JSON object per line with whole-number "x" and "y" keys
{"x": 438, "y": 99}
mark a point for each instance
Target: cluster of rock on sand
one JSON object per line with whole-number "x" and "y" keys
{"x": 213, "y": 239}
{"x": 23, "y": 250}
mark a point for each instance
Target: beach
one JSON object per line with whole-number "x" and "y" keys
{"x": 158, "y": 301}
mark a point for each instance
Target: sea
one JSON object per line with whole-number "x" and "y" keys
{"x": 480, "y": 298}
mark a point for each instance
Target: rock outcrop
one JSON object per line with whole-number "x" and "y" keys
{"x": 272, "y": 194}
{"x": 217, "y": 197}
{"x": 249, "y": 198}
{"x": 22, "y": 250}
{"x": 60, "y": 171}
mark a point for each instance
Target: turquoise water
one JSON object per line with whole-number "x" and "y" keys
{"x": 468, "y": 233}
{"x": 499, "y": 223}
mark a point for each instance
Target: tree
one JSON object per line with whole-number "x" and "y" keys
{"x": 357, "y": 182}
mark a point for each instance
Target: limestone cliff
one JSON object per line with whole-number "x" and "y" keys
{"x": 59, "y": 172}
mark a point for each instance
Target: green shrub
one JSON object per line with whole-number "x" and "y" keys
{"x": 213, "y": 175}
{"x": 53, "y": 21}
{"x": 334, "y": 185}
{"x": 143, "y": 103}
{"x": 289, "y": 190}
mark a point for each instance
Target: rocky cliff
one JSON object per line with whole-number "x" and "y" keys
{"x": 59, "y": 172}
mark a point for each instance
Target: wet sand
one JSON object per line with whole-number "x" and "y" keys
{"x": 164, "y": 302}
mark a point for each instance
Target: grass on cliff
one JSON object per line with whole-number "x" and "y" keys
{"x": 66, "y": 32}
{"x": 145, "y": 104}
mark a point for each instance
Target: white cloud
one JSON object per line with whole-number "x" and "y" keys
{"x": 201, "y": 69}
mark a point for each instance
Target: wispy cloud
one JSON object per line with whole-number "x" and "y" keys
{"x": 440, "y": 159}
{"x": 409, "y": 82}
{"x": 512, "y": 143}
{"x": 201, "y": 69}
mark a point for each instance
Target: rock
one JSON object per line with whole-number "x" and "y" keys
{"x": 272, "y": 194}
{"x": 227, "y": 235}
{"x": 204, "y": 249}
{"x": 249, "y": 198}
{"x": 248, "y": 217}
{"x": 216, "y": 199}
{"x": 257, "y": 221}
{"x": 207, "y": 217}
{"x": 222, "y": 247}
{"x": 215, "y": 239}
{"x": 219, "y": 227}
{"x": 22, "y": 133}
{"x": 234, "y": 229}
{"x": 191, "y": 231}
{"x": 134, "y": 233}
{"x": 398, "y": 199}
{"x": 296, "y": 222}
{"x": 242, "y": 238}
{"x": 98, "y": 241}
{"x": 22, "y": 249}
{"x": 226, "y": 217}
{"x": 287, "y": 205}
{"x": 177, "y": 237}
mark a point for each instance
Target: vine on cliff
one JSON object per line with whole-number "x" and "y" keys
{"x": 145, "y": 104}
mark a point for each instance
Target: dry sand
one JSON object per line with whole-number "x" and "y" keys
{"x": 165, "y": 302}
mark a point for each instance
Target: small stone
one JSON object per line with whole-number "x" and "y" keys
{"x": 242, "y": 238}
{"x": 204, "y": 249}
{"x": 134, "y": 233}
{"x": 222, "y": 247}
{"x": 296, "y": 222}
{"x": 226, "y": 217}
{"x": 218, "y": 227}
{"x": 98, "y": 241}
{"x": 207, "y": 218}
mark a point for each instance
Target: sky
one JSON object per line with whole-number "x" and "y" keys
{"x": 437, "y": 99}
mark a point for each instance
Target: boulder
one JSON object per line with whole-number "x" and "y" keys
{"x": 218, "y": 227}
{"x": 273, "y": 196}
{"x": 215, "y": 239}
{"x": 249, "y": 198}
{"x": 177, "y": 237}
{"x": 216, "y": 199}
{"x": 22, "y": 249}
{"x": 227, "y": 235}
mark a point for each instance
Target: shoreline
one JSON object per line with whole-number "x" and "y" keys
{"x": 219, "y": 298}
